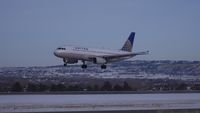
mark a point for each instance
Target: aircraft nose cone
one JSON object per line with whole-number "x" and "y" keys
{"x": 55, "y": 53}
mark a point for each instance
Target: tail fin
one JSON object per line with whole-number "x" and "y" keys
{"x": 128, "y": 45}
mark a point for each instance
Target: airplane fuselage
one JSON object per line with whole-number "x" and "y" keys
{"x": 86, "y": 54}
{"x": 72, "y": 54}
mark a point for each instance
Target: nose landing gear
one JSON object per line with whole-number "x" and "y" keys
{"x": 65, "y": 62}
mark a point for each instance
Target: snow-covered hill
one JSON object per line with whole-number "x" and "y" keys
{"x": 187, "y": 70}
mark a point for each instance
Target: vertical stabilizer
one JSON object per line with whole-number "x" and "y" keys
{"x": 128, "y": 45}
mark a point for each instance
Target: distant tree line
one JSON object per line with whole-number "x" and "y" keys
{"x": 106, "y": 86}
{"x": 32, "y": 87}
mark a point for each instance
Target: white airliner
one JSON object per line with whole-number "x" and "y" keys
{"x": 71, "y": 54}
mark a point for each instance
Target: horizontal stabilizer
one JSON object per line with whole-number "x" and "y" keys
{"x": 142, "y": 53}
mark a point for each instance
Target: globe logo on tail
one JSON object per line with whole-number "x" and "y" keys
{"x": 129, "y": 43}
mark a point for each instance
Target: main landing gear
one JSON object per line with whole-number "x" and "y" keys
{"x": 103, "y": 66}
{"x": 84, "y": 66}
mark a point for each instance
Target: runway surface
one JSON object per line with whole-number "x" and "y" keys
{"x": 98, "y": 102}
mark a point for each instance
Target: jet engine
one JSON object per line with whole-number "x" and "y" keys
{"x": 99, "y": 60}
{"x": 71, "y": 61}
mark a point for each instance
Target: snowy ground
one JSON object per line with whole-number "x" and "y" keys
{"x": 90, "y": 102}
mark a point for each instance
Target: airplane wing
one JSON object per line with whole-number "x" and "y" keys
{"x": 116, "y": 57}
{"x": 125, "y": 55}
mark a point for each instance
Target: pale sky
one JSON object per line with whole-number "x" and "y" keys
{"x": 30, "y": 30}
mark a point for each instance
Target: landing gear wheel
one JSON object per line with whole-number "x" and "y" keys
{"x": 84, "y": 66}
{"x": 65, "y": 62}
{"x": 103, "y": 66}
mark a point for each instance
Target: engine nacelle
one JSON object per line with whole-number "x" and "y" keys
{"x": 71, "y": 61}
{"x": 99, "y": 60}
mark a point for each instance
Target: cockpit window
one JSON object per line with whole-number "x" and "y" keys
{"x": 60, "y": 48}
